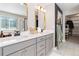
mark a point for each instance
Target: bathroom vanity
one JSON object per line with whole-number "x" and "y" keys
{"x": 39, "y": 44}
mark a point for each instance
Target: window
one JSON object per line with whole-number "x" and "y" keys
{"x": 7, "y": 23}
{"x": 12, "y": 22}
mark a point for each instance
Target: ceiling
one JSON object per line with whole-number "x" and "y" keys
{"x": 68, "y": 6}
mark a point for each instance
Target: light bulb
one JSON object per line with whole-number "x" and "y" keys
{"x": 38, "y": 7}
{"x": 42, "y": 9}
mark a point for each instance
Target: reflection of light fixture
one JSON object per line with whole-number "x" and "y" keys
{"x": 41, "y": 9}
{"x": 38, "y": 7}
{"x": 22, "y": 4}
{"x": 44, "y": 10}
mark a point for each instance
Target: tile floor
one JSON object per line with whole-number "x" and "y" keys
{"x": 69, "y": 48}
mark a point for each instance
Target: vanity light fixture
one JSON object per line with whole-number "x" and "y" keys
{"x": 41, "y": 9}
{"x": 44, "y": 10}
{"x": 38, "y": 7}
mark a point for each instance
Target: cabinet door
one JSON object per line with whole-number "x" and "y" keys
{"x": 29, "y": 51}
{"x": 40, "y": 46}
{"x": 16, "y": 54}
{"x": 18, "y": 46}
{"x": 41, "y": 53}
{"x": 51, "y": 43}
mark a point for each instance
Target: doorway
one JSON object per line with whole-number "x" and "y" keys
{"x": 74, "y": 36}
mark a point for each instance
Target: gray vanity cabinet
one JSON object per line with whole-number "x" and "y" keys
{"x": 49, "y": 43}
{"x": 8, "y": 50}
{"x": 41, "y": 53}
{"x": 47, "y": 46}
{"x": 29, "y": 51}
{"x": 39, "y": 46}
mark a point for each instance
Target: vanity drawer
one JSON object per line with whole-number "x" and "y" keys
{"x": 15, "y": 47}
{"x": 42, "y": 38}
{"x": 41, "y": 53}
{"x": 29, "y": 51}
{"x": 40, "y": 46}
{"x": 0, "y": 51}
{"x": 49, "y": 35}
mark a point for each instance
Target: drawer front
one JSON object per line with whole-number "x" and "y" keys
{"x": 42, "y": 38}
{"x": 15, "y": 54}
{"x": 51, "y": 35}
{"x": 29, "y": 51}
{"x": 0, "y": 51}
{"x": 48, "y": 36}
{"x": 15, "y": 47}
{"x": 40, "y": 46}
{"x": 41, "y": 53}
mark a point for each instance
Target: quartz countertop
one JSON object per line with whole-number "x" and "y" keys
{"x": 23, "y": 37}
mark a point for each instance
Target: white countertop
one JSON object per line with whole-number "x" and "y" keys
{"x": 23, "y": 37}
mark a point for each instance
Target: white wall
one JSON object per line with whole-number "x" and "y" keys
{"x": 15, "y": 8}
{"x": 50, "y": 15}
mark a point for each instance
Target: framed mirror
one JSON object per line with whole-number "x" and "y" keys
{"x": 58, "y": 26}
{"x": 12, "y": 22}
{"x": 40, "y": 18}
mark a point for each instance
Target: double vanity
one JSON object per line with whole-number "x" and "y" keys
{"x": 38, "y": 44}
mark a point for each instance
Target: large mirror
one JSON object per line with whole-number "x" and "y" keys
{"x": 11, "y": 22}
{"x": 58, "y": 26}
{"x": 40, "y": 18}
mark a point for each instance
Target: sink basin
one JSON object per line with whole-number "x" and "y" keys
{"x": 2, "y": 39}
{"x": 12, "y": 38}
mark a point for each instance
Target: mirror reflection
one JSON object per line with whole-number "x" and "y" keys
{"x": 12, "y": 23}
{"x": 40, "y": 18}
